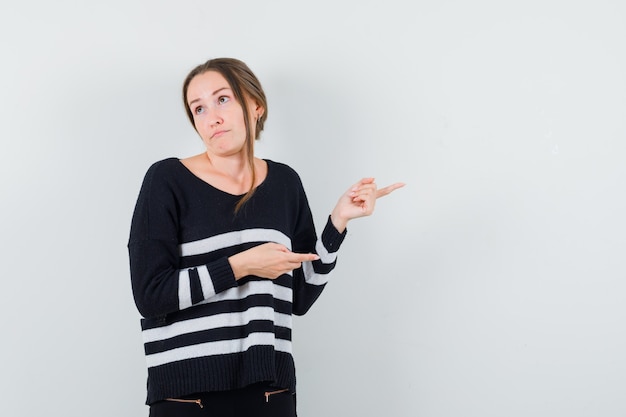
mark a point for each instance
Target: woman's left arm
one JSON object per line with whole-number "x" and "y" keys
{"x": 309, "y": 280}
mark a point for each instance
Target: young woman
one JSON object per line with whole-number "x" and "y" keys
{"x": 223, "y": 251}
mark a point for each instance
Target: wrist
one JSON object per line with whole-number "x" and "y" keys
{"x": 338, "y": 221}
{"x": 238, "y": 267}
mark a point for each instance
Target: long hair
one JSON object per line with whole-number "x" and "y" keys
{"x": 244, "y": 84}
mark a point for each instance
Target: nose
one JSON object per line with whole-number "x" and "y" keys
{"x": 214, "y": 117}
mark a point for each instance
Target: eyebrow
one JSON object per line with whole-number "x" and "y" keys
{"x": 213, "y": 93}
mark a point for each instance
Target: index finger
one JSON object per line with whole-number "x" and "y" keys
{"x": 302, "y": 257}
{"x": 381, "y": 192}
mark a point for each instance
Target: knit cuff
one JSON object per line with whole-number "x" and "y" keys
{"x": 331, "y": 238}
{"x": 222, "y": 275}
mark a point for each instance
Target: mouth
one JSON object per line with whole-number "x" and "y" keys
{"x": 218, "y": 133}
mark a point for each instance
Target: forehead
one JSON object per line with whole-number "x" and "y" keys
{"x": 206, "y": 84}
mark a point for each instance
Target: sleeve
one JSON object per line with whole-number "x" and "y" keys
{"x": 159, "y": 286}
{"x": 310, "y": 279}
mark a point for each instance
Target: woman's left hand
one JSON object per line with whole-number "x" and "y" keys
{"x": 359, "y": 201}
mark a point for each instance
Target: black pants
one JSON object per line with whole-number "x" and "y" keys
{"x": 258, "y": 400}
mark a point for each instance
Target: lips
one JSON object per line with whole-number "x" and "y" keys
{"x": 218, "y": 133}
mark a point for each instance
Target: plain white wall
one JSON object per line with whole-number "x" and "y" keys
{"x": 492, "y": 285}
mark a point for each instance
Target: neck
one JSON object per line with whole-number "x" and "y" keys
{"x": 236, "y": 168}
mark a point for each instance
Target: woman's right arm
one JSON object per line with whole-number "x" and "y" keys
{"x": 159, "y": 286}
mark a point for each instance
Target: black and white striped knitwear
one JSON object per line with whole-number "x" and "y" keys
{"x": 202, "y": 329}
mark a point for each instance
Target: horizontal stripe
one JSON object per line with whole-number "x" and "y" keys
{"x": 230, "y": 306}
{"x": 219, "y": 348}
{"x": 215, "y": 335}
{"x": 265, "y": 286}
{"x": 216, "y": 321}
{"x": 230, "y": 239}
{"x": 237, "y": 299}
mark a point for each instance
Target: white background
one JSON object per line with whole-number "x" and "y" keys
{"x": 491, "y": 285}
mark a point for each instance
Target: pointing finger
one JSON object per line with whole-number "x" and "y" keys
{"x": 388, "y": 189}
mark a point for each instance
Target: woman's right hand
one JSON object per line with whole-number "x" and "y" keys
{"x": 269, "y": 260}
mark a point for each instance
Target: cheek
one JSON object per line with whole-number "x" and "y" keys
{"x": 202, "y": 132}
{"x": 199, "y": 123}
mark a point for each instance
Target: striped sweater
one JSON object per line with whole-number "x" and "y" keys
{"x": 202, "y": 329}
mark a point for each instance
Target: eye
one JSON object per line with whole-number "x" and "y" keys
{"x": 223, "y": 100}
{"x": 198, "y": 110}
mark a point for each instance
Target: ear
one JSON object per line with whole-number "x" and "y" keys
{"x": 257, "y": 109}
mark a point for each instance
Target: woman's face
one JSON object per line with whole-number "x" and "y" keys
{"x": 217, "y": 115}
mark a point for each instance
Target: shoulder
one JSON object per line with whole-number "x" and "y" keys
{"x": 163, "y": 166}
{"x": 159, "y": 175}
{"x": 283, "y": 170}
{"x": 162, "y": 170}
